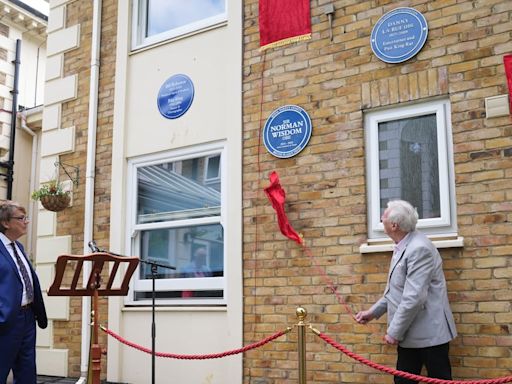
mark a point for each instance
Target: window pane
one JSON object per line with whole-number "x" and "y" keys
{"x": 408, "y": 164}
{"x": 176, "y": 191}
{"x": 196, "y": 251}
{"x": 165, "y": 15}
{"x": 213, "y": 167}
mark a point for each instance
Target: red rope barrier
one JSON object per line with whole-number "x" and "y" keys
{"x": 196, "y": 357}
{"x": 407, "y": 375}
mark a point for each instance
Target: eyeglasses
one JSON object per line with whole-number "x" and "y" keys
{"x": 21, "y": 218}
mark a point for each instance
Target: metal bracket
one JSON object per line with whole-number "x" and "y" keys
{"x": 329, "y": 11}
{"x": 75, "y": 169}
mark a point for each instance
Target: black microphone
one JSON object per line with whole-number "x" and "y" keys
{"x": 93, "y": 246}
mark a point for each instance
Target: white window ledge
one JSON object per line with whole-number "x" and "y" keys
{"x": 387, "y": 246}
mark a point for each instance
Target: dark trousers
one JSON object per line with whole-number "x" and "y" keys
{"x": 18, "y": 349}
{"x": 435, "y": 359}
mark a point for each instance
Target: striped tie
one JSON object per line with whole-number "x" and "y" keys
{"x": 24, "y": 275}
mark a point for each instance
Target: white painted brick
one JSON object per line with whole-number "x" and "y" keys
{"x": 46, "y": 274}
{"x": 57, "y": 307}
{"x": 60, "y": 90}
{"x": 49, "y": 248}
{"x": 57, "y": 3}
{"x": 63, "y": 40}
{"x": 51, "y": 117}
{"x": 54, "y": 67}
{"x": 56, "y": 19}
{"x": 47, "y": 169}
{"x": 58, "y": 141}
{"x": 52, "y": 362}
{"x": 46, "y": 223}
{"x": 44, "y": 336}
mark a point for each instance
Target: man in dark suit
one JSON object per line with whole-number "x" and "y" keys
{"x": 420, "y": 322}
{"x": 21, "y": 300}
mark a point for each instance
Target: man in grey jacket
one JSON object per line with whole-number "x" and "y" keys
{"x": 420, "y": 321}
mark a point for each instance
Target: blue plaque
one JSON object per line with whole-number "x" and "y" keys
{"x": 175, "y": 96}
{"x": 287, "y": 131}
{"x": 399, "y": 35}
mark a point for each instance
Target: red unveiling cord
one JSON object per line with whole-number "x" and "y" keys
{"x": 197, "y": 357}
{"x": 410, "y": 376}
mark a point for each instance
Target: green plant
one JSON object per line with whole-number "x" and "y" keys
{"x": 50, "y": 188}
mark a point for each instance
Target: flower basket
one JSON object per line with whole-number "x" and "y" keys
{"x": 55, "y": 203}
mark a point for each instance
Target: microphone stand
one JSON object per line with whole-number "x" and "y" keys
{"x": 154, "y": 269}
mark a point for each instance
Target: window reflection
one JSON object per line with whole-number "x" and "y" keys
{"x": 165, "y": 15}
{"x": 193, "y": 251}
{"x": 408, "y": 164}
{"x": 178, "y": 227}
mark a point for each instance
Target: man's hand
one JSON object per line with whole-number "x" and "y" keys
{"x": 390, "y": 340}
{"x": 363, "y": 317}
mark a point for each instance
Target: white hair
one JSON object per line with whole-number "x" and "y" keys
{"x": 402, "y": 213}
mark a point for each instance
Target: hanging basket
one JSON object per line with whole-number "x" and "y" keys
{"x": 55, "y": 203}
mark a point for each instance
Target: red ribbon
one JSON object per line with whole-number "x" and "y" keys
{"x": 277, "y": 197}
{"x": 507, "y": 61}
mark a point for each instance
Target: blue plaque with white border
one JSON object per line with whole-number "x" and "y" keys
{"x": 175, "y": 96}
{"x": 399, "y": 35}
{"x": 287, "y": 131}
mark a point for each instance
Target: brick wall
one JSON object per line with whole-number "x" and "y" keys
{"x": 76, "y": 113}
{"x": 326, "y": 189}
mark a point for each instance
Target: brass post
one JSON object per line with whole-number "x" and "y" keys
{"x": 301, "y": 327}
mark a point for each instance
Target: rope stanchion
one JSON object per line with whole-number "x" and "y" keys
{"x": 407, "y": 375}
{"x": 197, "y": 357}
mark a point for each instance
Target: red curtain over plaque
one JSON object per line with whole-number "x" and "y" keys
{"x": 277, "y": 197}
{"x": 283, "y": 22}
{"x": 507, "y": 60}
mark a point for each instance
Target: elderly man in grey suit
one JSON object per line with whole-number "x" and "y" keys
{"x": 420, "y": 321}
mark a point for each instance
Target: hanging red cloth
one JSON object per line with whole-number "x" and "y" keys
{"x": 283, "y": 22}
{"x": 507, "y": 60}
{"x": 277, "y": 197}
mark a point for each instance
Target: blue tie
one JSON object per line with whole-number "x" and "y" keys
{"x": 24, "y": 275}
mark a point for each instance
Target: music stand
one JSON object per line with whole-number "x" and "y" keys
{"x": 94, "y": 289}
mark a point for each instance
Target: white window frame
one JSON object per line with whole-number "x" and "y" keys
{"x": 139, "y": 20}
{"x": 446, "y": 224}
{"x": 134, "y": 231}
{"x": 210, "y": 180}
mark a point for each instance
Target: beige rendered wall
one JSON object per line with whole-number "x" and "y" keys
{"x": 212, "y": 59}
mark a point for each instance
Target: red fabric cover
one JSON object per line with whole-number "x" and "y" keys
{"x": 507, "y": 60}
{"x": 283, "y": 19}
{"x": 277, "y": 197}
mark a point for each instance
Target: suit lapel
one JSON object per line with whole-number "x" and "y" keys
{"x": 5, "y": 253}
{"x": 394, "y": 262}
{"x": 397, "y": 257}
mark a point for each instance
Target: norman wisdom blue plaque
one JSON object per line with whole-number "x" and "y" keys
{"x": 399, "y": 35}
{"x": 287, "y": 131}
{"x": 175, "y": 96}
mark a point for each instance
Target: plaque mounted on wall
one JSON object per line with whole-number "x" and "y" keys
{"x": 399, "y": 35}
{"x": 287, "y": 131}
{"x": 175, "y": 96}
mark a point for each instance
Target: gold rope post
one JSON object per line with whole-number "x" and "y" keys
{"x": 301, "y": 327}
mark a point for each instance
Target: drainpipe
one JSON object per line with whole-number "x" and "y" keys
{"x": 89, "y": 178}
{"x": 24, "y": 127}
{"x": 9, "y": 165}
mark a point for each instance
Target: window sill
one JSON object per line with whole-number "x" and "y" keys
{"x": 387, "y": 245}
{"x": 156, "y": 42}
{"x": 184, "y": 308}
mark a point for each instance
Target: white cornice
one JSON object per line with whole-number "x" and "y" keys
{"x": 20, "y": 18}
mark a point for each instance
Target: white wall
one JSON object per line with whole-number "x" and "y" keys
{"x": 31, "y": 84}
{"x": 212, "y": 60}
